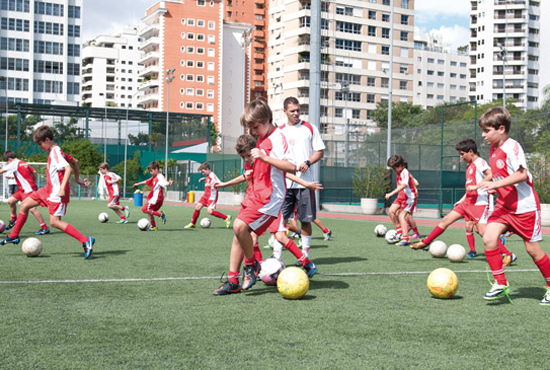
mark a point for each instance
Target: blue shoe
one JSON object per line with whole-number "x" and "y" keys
{"x": 88, "y": 247}
{"x": 250, "y": 275}
{"x": 9, "y": 240}
{"x": 327, "y": 236}
{"x": 163, "y": 217}
{"x": 42, "y": 232}
{"x": 472, "y": 254}
{"x": 503, "y": 240}
{"x": 311, "y": 269}
{"x": 402, "y": 243}
{"x": 11, "y": 225}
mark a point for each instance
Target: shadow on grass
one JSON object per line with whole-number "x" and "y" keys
{"x": 99, "y": 254}
{"x": 337, "y": 260}
{"x": 535, "y": 293}
{"x": 327, "y": 284}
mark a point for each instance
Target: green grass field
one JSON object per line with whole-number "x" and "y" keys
{"x": 144, "y": 300}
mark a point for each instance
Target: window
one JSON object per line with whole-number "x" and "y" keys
{"x": 440, "y": 85}
{"x": 371, "y": 81}
{"x": 74, "y": 11}
{"x": 385, "y": 50}
{"x": 191, "y": 63}
{"x": 200, "y": 64}
{"x": 211, "y": 39}
{"x": 189, "y": 105}
{"x": 404, "y": 19}
{"x": 385, "y": 17}
{"x": 200, "y": 50}
{"x": 200, "y": 23}
{"x": 372, "y": 31}
{"x": 190, "y": 78}
{"x": 211, "y": 53}
{"x": 370, "y": 98}
{"x": 355, "y": 113}
{"x": 190, "y": 22}
{"x": 210, "y": 80}
{"x": 430, "y": 73}
{"x": 190, "y": 50}
{"x": 385, "y": 33}
{"x": 405, "y": 4}
{"x": 440, "y": 61}
{"x": 453, "y": 64}
{"x": 200, "y": 78}
{"x": 348, "y": 45}
{"x": 200, "y": 92}
{"x": 372, "y": 14}
{"x": 338, "y": 112}
{"x": 190, "y": 36}
{"x": 210, "y": 94}
{"x": 403, "y": 85}
{"x": 453, "y": 75}
{"x": 441, "y": 74}
{"x": 183, "y": 35}
{"x": 190, "y": 92}
{"x": 463, "y": 77}
{"x": 385, "y": 82}
{"x": 210, "y": 107}
{"x": 211, "y": 25}
{"x": 201, "y": 2}
{"x": 210, "y": 66}
{"x": 403, "y": 68}
{"x": 348, "y": 27}
{"x": 200, "y": 106}
{"x": 200, "y": 36}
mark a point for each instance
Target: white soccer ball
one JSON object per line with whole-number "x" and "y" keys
{"x": 32, "y": 247}
{"x": 103, "y": 217}
{"x": 271, "y": 268}
{"x": 438, "y": 249}
{"x": 380, "y": 230}
{"x": 456, "y": 253}
{"x": 390, "y": 234}
{"x": 143, "y": 224}
{"x": 205, "y": 222}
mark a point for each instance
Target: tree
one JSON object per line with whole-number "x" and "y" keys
{"x": 66, "y": 131}
{"x": 140, "y": 140}
{"x": 403, "y": 114}
{"x": 463, "y": 49}
{"x": 133, "y": 169}
{"x": 87, "y": 154}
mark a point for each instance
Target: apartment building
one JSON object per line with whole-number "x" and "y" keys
{"x": 355, "y": 41}
{"x": 110, "y": 69}
{"x": 440, "y": 76}
{"x": 40, "y": 51}
{"x": 505, "y": 51}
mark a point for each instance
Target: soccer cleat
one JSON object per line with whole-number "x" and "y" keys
{"x": 546, "y": 299}
{"x": 403, "y": 243}
{"x": 127, "y": 212}
{"x": 503, "y": 240}
{"x": 11, "y": 224}
{"x": 514, "y": 258}
{"x": 471, "y": 254}
{"x": 88, "y": 247}
{"x": 250, "y": 275}
{"x": 227, "y": 288}
{"x": 190, "y": 226}
{"x": 163, "y": 217}
{"x": 122, "y": 221}
{"x": 153, "y": 229}
{"x": 419, "y": 245}
{"x": 327, "y": 235}
{"x": 508, "y": 259}
{"x": 498, "y": 291}
{"x": 416, "y": 236}
{"x": 508, "y": 234}
{"x": 9, "y": 240}
{"x": 42, "y": 232}
{"x": 294, "y": 235}
{"x": 228, "y": 222}
{"x": 311, "y": 269}
{"x": 395, "y": 239}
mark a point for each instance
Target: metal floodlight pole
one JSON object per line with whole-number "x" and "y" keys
{"x": 390, "y": 92}
{"x": 126, "y": 142}
{"x": 169, "y": 78}
{"x": 345, "y": 90}
{"x": 503, "y": 56}
{"x": 2, "y": 78}
{"x": 103, "y": 124}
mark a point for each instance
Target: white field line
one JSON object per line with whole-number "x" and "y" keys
{"x": 217, "y": 277}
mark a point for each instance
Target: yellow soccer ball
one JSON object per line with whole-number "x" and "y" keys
{"x": 293, "y": 283}
{"x": 442, "y": 283}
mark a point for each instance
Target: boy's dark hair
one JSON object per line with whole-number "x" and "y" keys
{"x": 104, "y": 165}
{"x": 496, "y": 117}
{"x": 245, "y": 143}
{"x": 396, "y": 160}
{"x": 204, "y": 166}
{"x": 465, "y": 145}
{"x": 153, "y": 166}
{"x": 42, "y": 133}
{"x": 9, "y": 154}
{"x": 290, "y": 100}
{"x": 256, "y": 111}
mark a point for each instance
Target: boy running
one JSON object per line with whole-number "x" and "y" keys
{"x": 111, "y": 182}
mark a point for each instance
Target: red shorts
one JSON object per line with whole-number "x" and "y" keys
{"x": 114, "y": 199}
{"x": 471, "y": 212}
{"x": 20, "y": 195}
{"x": 54, "y": 208}
{"x": 207, "y": 202}
{"x": 277, "y": 224}
{"x": 405, "y": 203}
{"x": 526, "y": 225}
{"x": 256, "y": 221}
{"x": 147, "y": 207}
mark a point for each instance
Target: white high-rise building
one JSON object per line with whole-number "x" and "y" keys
{"x": 110, "y": 69}
{"x": 505, "y": 51}
{"x": 40, "y": 50}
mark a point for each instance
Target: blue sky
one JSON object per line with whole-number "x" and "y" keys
{"x": 448, "y": 18}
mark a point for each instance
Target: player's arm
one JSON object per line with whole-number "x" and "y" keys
{"x": 315, "y": 185}
{"x": 488, "y": 177}
{"x": 33, "y": 174}
{"x": 139, "y": 183}
{"x": 236, "y": 180}
{"x": 76, "y": 167}
{"x": 316, "y": 157}
{"x": 280, "y": 164}
{"x": 461, "y": 199}
{"x": 66, "y": 177}
{"x": 519, "y": 176}
{"x": 396, "y": 190}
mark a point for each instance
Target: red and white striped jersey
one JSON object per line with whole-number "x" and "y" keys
{"x": 506, "y": 160}
{"x": 268, "y": 183}
{"x": 157, "y": 183}
{"x": 23, "y": 174}
{"x": 113, "y": 188}
{"x": 474, "y": 175}
{"x": 57, "y": 161}
{"x": 210, "y": 192}
{"x": 405, "y": 178}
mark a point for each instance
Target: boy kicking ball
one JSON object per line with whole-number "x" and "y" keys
{"x": 111, "y": 181}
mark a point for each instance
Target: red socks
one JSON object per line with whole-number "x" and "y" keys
{"x": 544, "y": 266}
{"x": 218, "y": 215}
{"x": 434, "y": 234}
{"x": 257, "y": 252}
{"x": 233, "y": 277}
{"x": 502, "y": 249}
{"x": 494, "y": 260}
{"x": 195, "y": 217}
{"x": 21, "y": 219}
{"x": 471, "y": 240}
{"x": 293, "y": 248}
{"x": 70, "y": 229}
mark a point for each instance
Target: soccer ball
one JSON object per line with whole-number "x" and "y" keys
{"x": 2, "y": 226}
{"x": 143, "y": 224}
{"x": 390, "y": 234}
{"x": 442, "y": 283}
{"x": 456, "y": 253}
{"x": 205, "y": 222}
{"x": 103, "y": 217}
{"x": 438, "y": 249}
{"x": 380, "y": 230}
{"x": 271, "y": 268}
{"x": 32, "y": 247}
{"x": 293, "y": 283}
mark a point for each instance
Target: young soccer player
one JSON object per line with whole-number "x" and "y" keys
{"x": 55, "y": 195}
{"x": 473, "y": 206}
{"x": 517, "y": 208}
{"x": 405, "y": 205}
{"x": 111, "y": 182}
{"x": 297, "y": 232}
{"x": 209, "y": 198}
{"x": 158, "y": 183}
{"x": 25, "y": 177}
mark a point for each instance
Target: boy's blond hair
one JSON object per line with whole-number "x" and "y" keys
{"x": 256, "y": 111}
{"x": 103, "y": 166}
{"x": 245, "y": 143}
{"x": 496, "y": 117}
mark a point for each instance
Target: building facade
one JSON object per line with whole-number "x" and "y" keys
{"x": 40, "y": 51}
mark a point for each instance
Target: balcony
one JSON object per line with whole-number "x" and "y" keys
{"x": 150, "y": 44}
{"x": 149, "y": 57}
{"x": 152, "y": 70}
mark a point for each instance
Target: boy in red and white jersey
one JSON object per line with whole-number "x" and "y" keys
{"x": 405, "y": 204}
{"x": 56, "y": 194}
{"x": 111, "y": 182}
{"x": 25, "y": 177}
{"x": 158, "y": 183}
{"x": 473, "y": 206}
{"x": 209, "y": 198}
{"x": 517, "y": 208}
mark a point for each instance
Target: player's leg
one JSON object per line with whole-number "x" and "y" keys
{"x": 326, "y": 231}
{"x": 43, "y": 227}
{"x": 256, "y": 247}
{"x": 402, "y": 217}
{"x": 292, "y": 226}
{"x": 147, "y": 209}
{"x": 469, "y": 230}
{"x": 543, "y": 263}
{"x": 252, "y": 267}
{"x": 58, "y": 210}
{"x": 117, "y": 209}
{"x": 235, "y": 261}
{"x": 212, "y": 211}
{"x": 490, "y": 240}
{"x": 449, "y": 219}
{"x": 412, "y": 223}
{"x": 302, "y": 258}
{"x": 195, "y": 217}
{"x": 392, "y": 212}
{"x": 26, "y": 205}
{"x": 12, "y": 203}
{"x": 307, "y": 213}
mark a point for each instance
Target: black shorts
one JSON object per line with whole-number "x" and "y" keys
{"x": 303, "y": 202}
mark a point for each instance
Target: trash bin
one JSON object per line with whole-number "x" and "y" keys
{"x": 138, "y": 198}
{"x": 190, "y": 197}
